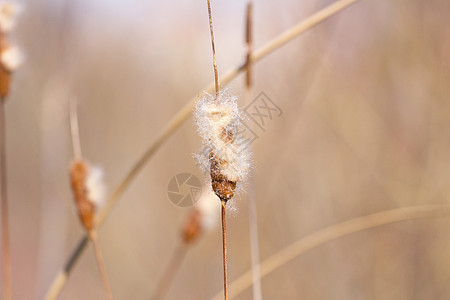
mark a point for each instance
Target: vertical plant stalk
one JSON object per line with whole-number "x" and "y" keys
{"x": 216, "y": 74}
{"x": 252, "y": 212}
{"x": 170, "y": 272}
{"x": 224, "y": 249}
{"x": 249, "y": 42}
{"x": 180, "y": 117}
{"x": 6, "y": 246}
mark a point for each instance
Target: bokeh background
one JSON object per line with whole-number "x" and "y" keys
{"x": 365, "y": 128}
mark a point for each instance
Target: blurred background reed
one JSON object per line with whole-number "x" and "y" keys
{"x": 365, "y": 128}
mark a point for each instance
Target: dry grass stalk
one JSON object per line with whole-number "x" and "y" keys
{"x": 334, "y": 232}
{"x": 85, "y": 181}
{"x": 216, "y": 74}
{"x": 180, "y": 117}
{"x": 10, "y": 60}
{"x": 252, "y": 212}
{"x": 249, "y": 42}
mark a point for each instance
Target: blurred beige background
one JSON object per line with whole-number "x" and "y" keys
{"x": 365, "y": 128}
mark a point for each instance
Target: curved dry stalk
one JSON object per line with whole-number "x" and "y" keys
{"x": 182, "y": 115}
{"x": 301, "y": 27}
{"x": 334, "y": 232}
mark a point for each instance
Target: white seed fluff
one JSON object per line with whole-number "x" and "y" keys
{"x": 95, "y": 186}
{"x": 217, "y": 120}
{"x": 209, "y": 207}
{"x": 11, "y": 58}
{"x": 8, "y": 13}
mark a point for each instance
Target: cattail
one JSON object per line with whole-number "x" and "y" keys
{"x": 88, "y": 191}
{"x": 202, "y": 218}
{"x": 225, "y": 159}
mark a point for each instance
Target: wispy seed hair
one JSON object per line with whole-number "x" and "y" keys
{"x": 223, "y": 157}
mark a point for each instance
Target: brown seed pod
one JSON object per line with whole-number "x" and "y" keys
{"x": 86, "y": 208}
{"x": 193, "y": 227}
{"x": 222, "y": 187}
{"x": 5, "y": 74}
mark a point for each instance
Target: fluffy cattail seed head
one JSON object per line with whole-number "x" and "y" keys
{"x": 225, "y": 158}
{"x": 88, "y": 191}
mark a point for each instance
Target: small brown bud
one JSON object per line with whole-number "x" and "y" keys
{"x": 193, "y": 227}
{"x": 5, "y": 74}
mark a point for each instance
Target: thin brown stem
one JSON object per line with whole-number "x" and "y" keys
{"x": 216, "y": 74}
{"x": 170, "y": 272}
{"x": 6, "y": 246}
{"x": 101, "y": 264}
{"x": 249, "y": 42}
{"x": 224, "y": 249}
{"x": 180, "y": 117}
